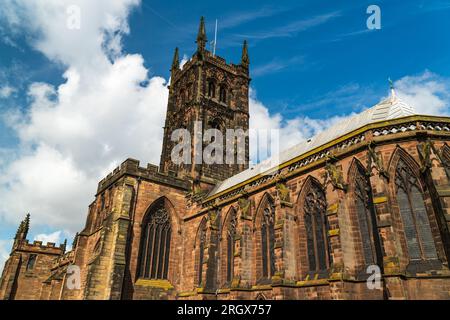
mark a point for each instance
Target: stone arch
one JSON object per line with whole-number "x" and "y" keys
{"x": 362, "y": 214}
{"x": 264, "y": 237}
{"x": 199, "y": 252}
{"x": 265, "y": 200}
{"x": 413, "y": 213}
{"x": 228, "y": 247}
{"x": 156, "y": 241}
{"x": 313, "y": 242}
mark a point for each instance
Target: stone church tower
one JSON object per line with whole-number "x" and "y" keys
{"x": 206, "y": 93}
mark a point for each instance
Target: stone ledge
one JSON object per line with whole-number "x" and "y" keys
{"x": 333, "y": 232}
{"x": 378, "y": 200}
{"x": 313, "y": 283}
{"x": 162, "y": 284}
{"x": 332, "y": 209}
{"x": 187, "y": 294}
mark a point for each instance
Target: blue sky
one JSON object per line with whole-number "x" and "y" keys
{"x": 310, "y": 61}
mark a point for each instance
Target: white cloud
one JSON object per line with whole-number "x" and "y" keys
{"x": 290, "y": 131}
{"x": 183, "y": 61}
{"x": 6, "y": 91}
{"x": 71, "y": 135}
{"x": 52, "y": 237}
{"x": 428, "y": 93}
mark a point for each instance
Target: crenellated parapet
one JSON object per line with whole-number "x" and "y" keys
{"x": 131, "y": 167}
{"x": 39, "y": 247}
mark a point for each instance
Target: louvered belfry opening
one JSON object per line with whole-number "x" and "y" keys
{"x": 155, "y": 245}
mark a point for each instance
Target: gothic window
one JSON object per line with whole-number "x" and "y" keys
{"x": 102, "y": 201}
{"x": 190, "y": 92}
{"x": 182, "y": 97}
{"x": 413, "y": 212}
{"x": 316, "y": 229}
{"x": 211, "y": 89}
{"x": 268, "y": 242}
{"x": 231, "y": 233}
{"x": 366, "y": 218}
{"x": 223, "y": 94}
{"x": 31, "y": 261}
{"x": 156, "y": 234}
{"x": 201, "y": 250}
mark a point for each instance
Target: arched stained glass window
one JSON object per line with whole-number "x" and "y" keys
{"x": 419, "y": 238}
{"x": 268, "y": 241}
{"x": 316, "y": 228}
{"x": 223, "y": 94}
{"x": 155, "y": 246}
{"x": 365, "y": 211}
{"x": 211, "y": 89}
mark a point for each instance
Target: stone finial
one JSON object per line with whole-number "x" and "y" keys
{"x": 176, "y": 61}
{"x": 75, "y": 241}
{"x": 201, "y": 36}
{"x": 23, "y": 229}
{"x": 245, "y": 60}
{"x": 64, "y": 246}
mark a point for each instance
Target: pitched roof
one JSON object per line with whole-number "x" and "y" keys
{"x": 391, "y": 108}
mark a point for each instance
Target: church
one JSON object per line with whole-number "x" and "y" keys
{"x": 358, "y": 211}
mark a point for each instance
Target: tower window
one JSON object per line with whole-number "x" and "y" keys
{"x": 223, "y": 94}
{"x": 31, "y": 261}
{"x": 102, "y": 201}
{"x": 182, "y": 96}
{"x": 211, "y": 89}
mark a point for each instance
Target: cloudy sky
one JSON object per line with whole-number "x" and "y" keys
{"x": 76, "y": 102}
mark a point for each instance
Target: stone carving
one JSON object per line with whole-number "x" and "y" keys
{"x": 374, "y": 159}
{"x": 334, "y": 175}
{"x": 244, "y": 205}
{"x": 283, "y": 193}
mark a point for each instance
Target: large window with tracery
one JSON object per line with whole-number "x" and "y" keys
{"x": 268, "y": 241}
{"x": 155, "y": 245}
{"x": 230, "y": 236}
{"x": 315, "y": 206}
{"x": 371, "y": 247}
{"x": 416, "y": 224}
